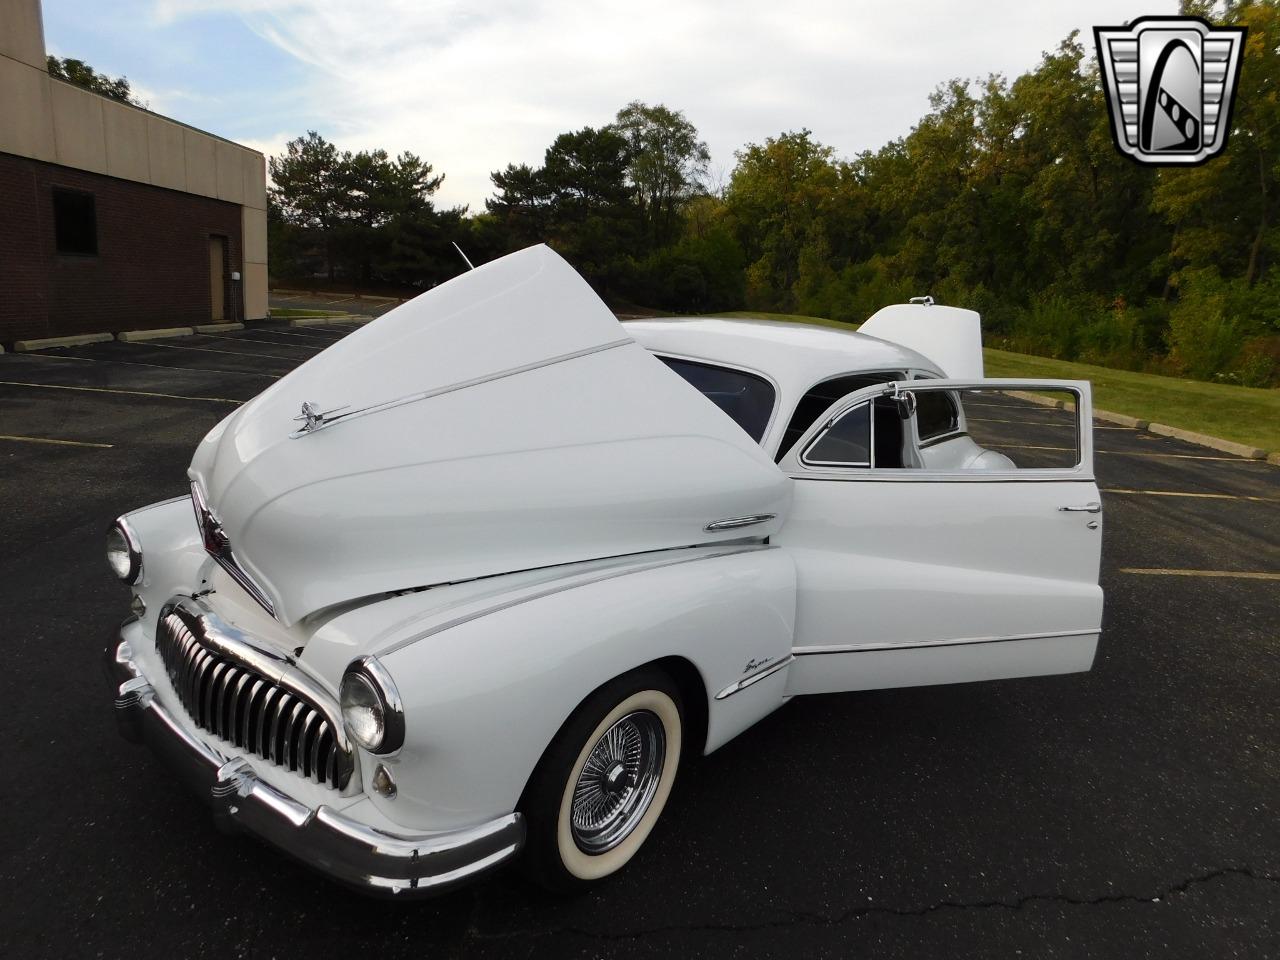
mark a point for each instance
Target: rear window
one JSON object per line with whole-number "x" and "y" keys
{"x": 746, "y": 398}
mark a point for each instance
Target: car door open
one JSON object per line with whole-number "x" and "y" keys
{"x": 971, "y": 504}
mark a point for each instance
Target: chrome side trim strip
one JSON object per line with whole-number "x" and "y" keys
{"x": 819, "y": 649}
{"x": 913, "y": 475}
{"x": 733, "y": 523}
{"x": 561, "y": 588}
{"x": 756, "y": 677}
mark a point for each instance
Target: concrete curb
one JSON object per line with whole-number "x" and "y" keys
{"x": 217, "y": 327}
{"x": 1214, "y": 443}
{"x": 132, "y": 336}
{"x": 1122, "y": 419}
{"x": 1242, "y": 450}
{"x": 23, "y": 346}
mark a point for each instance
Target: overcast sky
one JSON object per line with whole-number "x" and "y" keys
{"x": 472, "y": 86}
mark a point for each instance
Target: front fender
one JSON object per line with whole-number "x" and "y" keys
{"x": 484, "y": 696}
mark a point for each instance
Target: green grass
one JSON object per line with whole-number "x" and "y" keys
{"x": 1244, "y": 414}
{"x": 286, "y": 312}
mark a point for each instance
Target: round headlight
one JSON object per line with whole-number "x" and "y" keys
{"x": 123, "y": 554}
{"x": 371, "y": 707}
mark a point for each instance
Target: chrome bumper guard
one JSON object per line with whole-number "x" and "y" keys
{"x": 374, "y": 861}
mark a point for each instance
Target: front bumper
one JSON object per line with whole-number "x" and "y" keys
{"x": 372, "y": 860}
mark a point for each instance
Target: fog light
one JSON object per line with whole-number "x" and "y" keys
{"x": 383, "y": 782}
{"x": 138, "y": 607}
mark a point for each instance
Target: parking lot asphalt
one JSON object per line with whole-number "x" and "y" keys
{"x": 1131, "y": 811}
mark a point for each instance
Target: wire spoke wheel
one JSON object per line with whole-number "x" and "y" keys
{"x": 617, "y": 782}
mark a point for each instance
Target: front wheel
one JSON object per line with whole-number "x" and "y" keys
{"x": 604, "y": 781}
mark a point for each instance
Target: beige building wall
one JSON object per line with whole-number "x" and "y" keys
{"x": 46, "y": 119}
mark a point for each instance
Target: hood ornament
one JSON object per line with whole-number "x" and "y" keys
{"x": 312, "y": 419}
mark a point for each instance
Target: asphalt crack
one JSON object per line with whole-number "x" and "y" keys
{"x": 794, "y": 918}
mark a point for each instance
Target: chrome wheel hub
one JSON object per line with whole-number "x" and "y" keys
{"x": 617, "y": 782}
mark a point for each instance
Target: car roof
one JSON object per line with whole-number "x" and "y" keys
{"x": 795, "y": 355}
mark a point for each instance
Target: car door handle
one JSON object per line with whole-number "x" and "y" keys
{"x": 1094, "y": 507}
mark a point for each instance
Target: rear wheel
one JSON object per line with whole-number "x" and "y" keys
{"x": 603, "y": 782}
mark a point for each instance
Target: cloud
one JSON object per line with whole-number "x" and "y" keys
{"x": 471, "y": 87}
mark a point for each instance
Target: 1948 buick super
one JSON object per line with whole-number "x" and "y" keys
{"x": 473, "y": 580}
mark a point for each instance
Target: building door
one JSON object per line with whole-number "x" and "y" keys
{"x": 217, "y": 277}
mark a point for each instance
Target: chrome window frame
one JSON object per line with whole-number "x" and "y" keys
{"x": 898, "y": 374}
{"x": 830, "y": 425}
{"x": 1082, "y": 471}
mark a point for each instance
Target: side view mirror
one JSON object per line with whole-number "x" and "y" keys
{"x": 906, "y": 401}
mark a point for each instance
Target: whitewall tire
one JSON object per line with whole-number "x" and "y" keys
{"x": 604, "y": 781}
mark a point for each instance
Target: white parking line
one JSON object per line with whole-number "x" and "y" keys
{"x": 1120, "y": 453}
{"x": 277, "y": 343}
{"x": 61, "y": 443}
{"x": 1237, "y": 574}
{"x": 302, "y": 333}
{"x": 229, "y": 353}
{"x": 157, "y": 366}
{"x": 1043, "y": 423}
{"x": 1021, "y": 406}
{"x": 1034, "y": 423}
{"x": 1193, "y": 495}
{"x": 127, "y": 393}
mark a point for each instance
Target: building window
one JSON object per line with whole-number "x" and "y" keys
{"x": 75, "y": 222}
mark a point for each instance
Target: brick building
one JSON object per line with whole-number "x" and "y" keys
{"x": 112, "y": 217}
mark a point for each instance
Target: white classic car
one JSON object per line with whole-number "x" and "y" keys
{"x": 473, "y": 581}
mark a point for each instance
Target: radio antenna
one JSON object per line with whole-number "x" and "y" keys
{"x": 469, "y": 264}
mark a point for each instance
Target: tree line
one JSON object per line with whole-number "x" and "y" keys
{"x": 1008, "y": 197}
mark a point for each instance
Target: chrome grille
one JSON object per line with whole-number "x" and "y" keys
{"x": 229, "y": 698}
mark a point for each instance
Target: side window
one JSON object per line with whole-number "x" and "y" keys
{"x": 960, "y": 429}
{"x": 846, "y": 443}
{"x": 937, "y": 415}
{"x": 868, "y": 435}
{"x": 746, "y": 398}
{"x": 821, "y": 396}
{"x": 1020, "y": 429}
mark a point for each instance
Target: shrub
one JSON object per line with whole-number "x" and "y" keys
{"x": 1205, "y": 339}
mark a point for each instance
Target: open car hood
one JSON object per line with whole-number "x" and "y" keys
{"x": 500, "y": 422}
